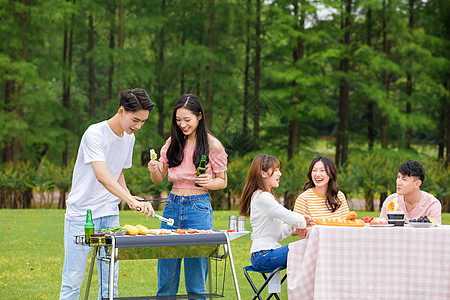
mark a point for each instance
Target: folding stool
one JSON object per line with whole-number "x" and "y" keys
{"x": 266, "y": 281}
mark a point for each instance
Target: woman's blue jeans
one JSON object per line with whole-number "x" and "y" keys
{"x": 188, "y": 212}
{"x": 266, "y": 260}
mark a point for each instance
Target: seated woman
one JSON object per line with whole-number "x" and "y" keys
{"x": 270, "y": 221}
{"x": 321, "y": 197}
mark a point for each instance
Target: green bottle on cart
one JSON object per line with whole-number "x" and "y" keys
{"x": 88, "y": 227}
{"x": 201, "y": 168}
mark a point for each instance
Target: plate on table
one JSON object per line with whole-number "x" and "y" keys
{"x": 381, "y": 225}
{"x": 421, "y": 224}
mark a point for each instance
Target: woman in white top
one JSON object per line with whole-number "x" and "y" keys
{"x": 270, "y": 221}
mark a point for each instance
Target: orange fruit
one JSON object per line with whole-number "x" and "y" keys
{"x": 391, "y": 206}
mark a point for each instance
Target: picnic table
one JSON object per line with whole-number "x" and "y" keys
{"x": 370, "y": 263}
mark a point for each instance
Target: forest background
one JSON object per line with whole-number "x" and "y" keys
{"x": 366, "y": 82}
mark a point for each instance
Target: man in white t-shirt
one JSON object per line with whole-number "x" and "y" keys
{"x": 414, "y": 202}
{"x": 98, "y": 184}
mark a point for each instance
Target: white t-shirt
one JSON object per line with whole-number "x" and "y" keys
{"x": 271, "y": 222}
{"x": 99, "y": 143}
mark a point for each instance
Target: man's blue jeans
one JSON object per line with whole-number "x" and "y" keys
{"x": 266, "y": 260}
{"x": 76, "y": 257}
{"x": 188, "y": 212}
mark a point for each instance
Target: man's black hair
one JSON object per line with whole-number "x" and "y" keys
{"x": 135, "y": 100}
{"x": 412, "y": 168}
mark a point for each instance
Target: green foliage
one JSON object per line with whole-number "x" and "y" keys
{"x": 176, "y": 47}
{"x": 139, "y": 183}
{"x": 16, "y": 179}
{"x": 437, "y": 182}
{"x": 294, "y": 173}
{"x": 369, "y": 173}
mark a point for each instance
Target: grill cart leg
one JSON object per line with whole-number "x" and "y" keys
{"x": 111, "y": 269}
{"x": 209, "y": 276}
{"x": 91, "y": 268}
{"x": 236, "y": 285}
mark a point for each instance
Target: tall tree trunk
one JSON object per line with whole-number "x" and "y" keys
{"x": 298, "y": 53}
{"x": 246, "y": 72}
{"x": 112, "y": 32}
{"x": 210, "y": 80}
{"x": 344, "y": 66}
{"x": 162, "y": 45}
{"x": 383, "y": 197}
{"x": 409, "y": 83}
{"x": 20, "y": 86}
{"x": 121, "y": 45}
{"x": 441, "y": 128}
{"x": 183, "y": 43}
{"x": 91, "y": 68}
{"x": 447, "y": 161}
{"x": 371, "y": 103}
{"x": 257, "y": 74}
{"x": 386, "y": 75}
{"x": 8, "y": 152}
{"x": 67, "y": 68}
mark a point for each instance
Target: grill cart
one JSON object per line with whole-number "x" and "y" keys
{"x": 215, "y": 246}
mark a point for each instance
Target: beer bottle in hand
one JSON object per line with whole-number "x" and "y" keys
{"x": 88, "y": 227}
{"x": 201, "y": 168}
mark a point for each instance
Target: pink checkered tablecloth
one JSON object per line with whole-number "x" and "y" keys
{"x": 370, "y": 263}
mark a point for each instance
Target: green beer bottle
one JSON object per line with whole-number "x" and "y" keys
{"x": 88, "y": 227}
{"x": 201, "y": 168}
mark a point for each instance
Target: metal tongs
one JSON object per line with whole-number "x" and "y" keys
{"x": 170, "y": 221}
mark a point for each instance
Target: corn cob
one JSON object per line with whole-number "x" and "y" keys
{"x": 142, "y": 229}
{"x": 131, "y": 230}
{"x": 153, "y": 155}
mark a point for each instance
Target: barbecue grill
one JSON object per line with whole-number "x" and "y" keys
{"x": 216, "y": 246}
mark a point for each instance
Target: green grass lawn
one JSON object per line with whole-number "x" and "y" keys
{"x": 32, "y": 256}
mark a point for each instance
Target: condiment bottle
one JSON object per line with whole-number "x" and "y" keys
{"x": 241, "y": 223}
{"x": 232, "y": 223}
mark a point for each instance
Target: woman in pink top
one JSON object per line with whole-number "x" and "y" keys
{"x": 189, "y": 205}
{"x": 414, "y": 202}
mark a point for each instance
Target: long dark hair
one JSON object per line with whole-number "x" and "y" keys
{"x": 178, "y": 140}
{"x": 262, "y": 162}
{"x": 333, "y": 202}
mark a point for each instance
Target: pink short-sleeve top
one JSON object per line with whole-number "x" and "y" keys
{"x": 183, "y": 176}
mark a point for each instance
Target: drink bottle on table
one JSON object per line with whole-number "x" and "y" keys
{"x": 88, "y": 227}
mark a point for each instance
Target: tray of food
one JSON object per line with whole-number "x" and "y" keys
{"x": 349, "y": 221}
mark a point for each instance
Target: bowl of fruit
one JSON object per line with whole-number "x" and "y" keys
{"x": 422, "y": 222}
{"x": 367, "y": 220}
